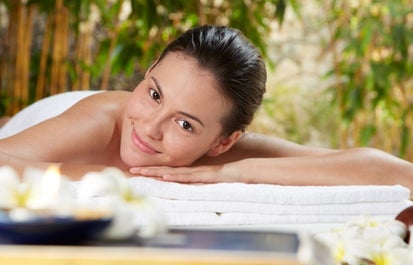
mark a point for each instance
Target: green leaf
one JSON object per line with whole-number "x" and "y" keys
{"x": 280, "y": 10}
{"x": 367, "y": 133}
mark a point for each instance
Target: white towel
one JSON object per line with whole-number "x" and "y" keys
{"x": 207, "y": 219}
{"x": 204, "y": 213}
{"x": 372, "y": 208}
{"x": 266, "y": 193}
{"x": 265, "y": 204}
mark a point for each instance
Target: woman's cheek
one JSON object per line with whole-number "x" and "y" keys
{"x": 137, "y": 107}
{"x": 187, "y": 151}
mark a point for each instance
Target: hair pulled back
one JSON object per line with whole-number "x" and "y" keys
{"x": 236, "y": 65}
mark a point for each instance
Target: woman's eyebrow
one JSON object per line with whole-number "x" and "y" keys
{"x": 158, "y": 87}
{"x": 191, "y": 117}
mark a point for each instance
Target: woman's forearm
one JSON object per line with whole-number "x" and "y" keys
{"x": 73, "y": 171}
{"x": 349, "y": 167}
{"x": 20, "y": 164}
{"x": 362, "y": 166}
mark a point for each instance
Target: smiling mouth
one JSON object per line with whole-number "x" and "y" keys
{"x": 141, "y": 145}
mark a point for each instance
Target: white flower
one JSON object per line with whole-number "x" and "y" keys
{"x": 12, "y": 193}
{"x": 396, "y": 256}
{"x": 368, "y": 241}
{"x": 380, "y": 228}
{"x": 49, "y": 189}
{"x": 133, "y": 213}
{"x": 329, "y": 238}
{"x": 38, "y": 190}
{"x": 351, "y": 251}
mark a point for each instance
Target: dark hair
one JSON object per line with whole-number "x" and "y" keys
{"x": 235, "y": 63}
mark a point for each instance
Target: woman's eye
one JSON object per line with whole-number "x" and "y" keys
{"x": 155, "y": 95}
{"x": 186, "y": 125}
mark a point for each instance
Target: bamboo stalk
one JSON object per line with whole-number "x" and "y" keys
{"x": 108, "y": 63}
{"x": 20, "y": 55}
{"x": 78, "y": 56}
{"x": 41, "y": 78}
{"x": 19, "y": 67}
{"x": 56, "y": 55}
{"x": 10, "y": 55}
{"x": 201, "y": 12}
{"x": 87, "y": 53}
{"x": 344, "y": 130}
{"x": 83, "y": 56}
{"x": 27, "y": 34}
{"x": 62, "y": 80}
{"x": 4, "y": 64}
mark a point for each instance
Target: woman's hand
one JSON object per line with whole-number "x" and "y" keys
{"x": 357, "y": 166}
{"x": 200, "y": 174}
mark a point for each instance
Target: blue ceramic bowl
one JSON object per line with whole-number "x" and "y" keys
{"x": 51, "y": 230}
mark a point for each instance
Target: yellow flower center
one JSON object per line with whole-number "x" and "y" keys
{"x": 339, "y": 253}
{"x": 381, "y": 259}
{"x": 21, "y": 196}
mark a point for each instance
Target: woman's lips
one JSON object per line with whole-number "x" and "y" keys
{"x": 141, "y": 145}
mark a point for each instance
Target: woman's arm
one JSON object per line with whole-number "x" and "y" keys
{"x": 253, "y": 145}
{"x": 71, "y": 170}
{"x": 266, "y": 160}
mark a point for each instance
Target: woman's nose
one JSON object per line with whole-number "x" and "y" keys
{"x": 153, "y": 126}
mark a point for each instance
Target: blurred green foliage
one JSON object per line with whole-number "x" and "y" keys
{"x": 129, "y": 35}
{"x": 372, "y": 47}
{"x": 370, "y": 43}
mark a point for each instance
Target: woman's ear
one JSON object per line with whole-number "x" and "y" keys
{"x": 224, "y": 144}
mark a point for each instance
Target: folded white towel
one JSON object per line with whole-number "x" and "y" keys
{"x": 239, "y": 219}
{"x": 233, "y": 204}
{"x": 371, "y": 208}
{"x": 266, "y": 193}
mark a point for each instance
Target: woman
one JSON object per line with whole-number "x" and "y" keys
{"x": 186, "y": 122}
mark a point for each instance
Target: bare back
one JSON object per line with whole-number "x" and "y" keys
{"x": 87, "y": 133}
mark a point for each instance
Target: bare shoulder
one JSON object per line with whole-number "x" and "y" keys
{"x": 108, "y": 100}
{"x": 86, "y": 128}
{"x": 271, "y": 146}
{"x": 103, "y": 110}
{"x": 98, "y": 114}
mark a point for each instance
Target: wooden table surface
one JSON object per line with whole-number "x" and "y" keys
{"x": 103, "y": 255}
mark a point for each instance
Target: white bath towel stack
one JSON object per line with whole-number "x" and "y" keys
{"x": 265, "y": 204}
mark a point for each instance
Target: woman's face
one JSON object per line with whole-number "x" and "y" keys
{"x": 174, "y": 115}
